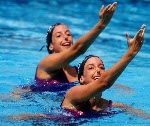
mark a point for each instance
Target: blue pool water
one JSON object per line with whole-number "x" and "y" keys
{"x": 23, "y": 26}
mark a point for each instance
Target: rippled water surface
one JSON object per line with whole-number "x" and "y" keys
{"x": 23, "y": 26}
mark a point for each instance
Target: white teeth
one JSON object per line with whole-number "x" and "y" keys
{"x": 95, "y": 78}
{"x": 66, "y": 44}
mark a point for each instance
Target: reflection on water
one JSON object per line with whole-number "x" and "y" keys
{"x": 23, "y": 29}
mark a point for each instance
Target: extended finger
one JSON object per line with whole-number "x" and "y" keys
{"x": 112, "y": 9}
{"x": 102, "y": 8}
{"x": 140, "y": 35}
{"x": 141, "y": 32}
{"x": 137, "y": 35}
{"x": 142, "y": 29}
{"x": 112, "y": 12}
{"x": 127, "y": 36}
{"x": 143, "y": 26}
{"x": 113, "y": 6}
{"x": 107, "y": 7}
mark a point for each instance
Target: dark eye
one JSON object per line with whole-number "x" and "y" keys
{"x": 58, "y": 35}
{"x": 102, "y": 67}
{"x": 68, "y": 34}
{"x": 90, "y": 67}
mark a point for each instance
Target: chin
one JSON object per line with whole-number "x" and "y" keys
{"x": 66, "y": 47}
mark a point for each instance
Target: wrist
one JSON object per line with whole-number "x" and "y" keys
{"x": 101, "y": 24}
{"x": 130, "y": 53}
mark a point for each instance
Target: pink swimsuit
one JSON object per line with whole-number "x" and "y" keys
{"x": 85, "y": 111}
{"x": 58, "y": 82}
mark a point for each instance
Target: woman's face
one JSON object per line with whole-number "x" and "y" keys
{"x": 61, "y": 39}
{"x": 93, "y": 69}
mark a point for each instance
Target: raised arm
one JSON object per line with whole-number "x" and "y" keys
{"x": 55, "y": 61}
{"x": 134, "y": 46}
{"x": 105, "y": 15}
{"x": 107, "y": 79}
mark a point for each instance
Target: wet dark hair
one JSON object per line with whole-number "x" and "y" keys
{"x": 81, "y": 66}
{"x": 49, "y": 35}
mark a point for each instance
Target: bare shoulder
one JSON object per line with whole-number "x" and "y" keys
{"x": 46, "y": 59}
{"x": 50, "y": 62}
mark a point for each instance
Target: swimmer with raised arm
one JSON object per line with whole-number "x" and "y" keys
{"x": 94, "y": 79}
{"x": 86, "y": 98}
{"x": 55, "y": 68}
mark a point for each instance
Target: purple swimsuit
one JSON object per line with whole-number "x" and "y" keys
{"x": 58, "y": 82}
{"x": 68, "y": 114}
{"x": 85, "y": 111}
{"x": 60, "y": 77}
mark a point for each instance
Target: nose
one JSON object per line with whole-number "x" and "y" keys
{"x": 98, "y": 70}
{"x": 65, "y": 37}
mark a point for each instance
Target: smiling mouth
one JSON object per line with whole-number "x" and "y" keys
{"x": 66, "y": 44}
{"x": 96, "y": 78}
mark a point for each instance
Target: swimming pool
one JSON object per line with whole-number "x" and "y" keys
{"x": 23, "y": 30}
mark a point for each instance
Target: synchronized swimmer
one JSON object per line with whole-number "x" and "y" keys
{"x": 85, "y": 98}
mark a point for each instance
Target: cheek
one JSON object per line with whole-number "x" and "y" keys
{"x": 56, "y": 41}
{"x": 102, "y": 71}
{"x": 89, "y": 74}
{"x": 71, "y": 38}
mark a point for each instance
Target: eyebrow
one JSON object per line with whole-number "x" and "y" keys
{"x": 93, "y": 64}
{"x": 99, "y": 64}
{"x": 61, "y": 32}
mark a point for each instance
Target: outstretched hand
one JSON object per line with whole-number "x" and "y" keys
{"x": 136, "y": 43}
{"x": 106, "y": 14}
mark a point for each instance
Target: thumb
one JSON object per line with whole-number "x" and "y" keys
{"x": 102, "y": 8}
{"x": 127, "y": 36}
